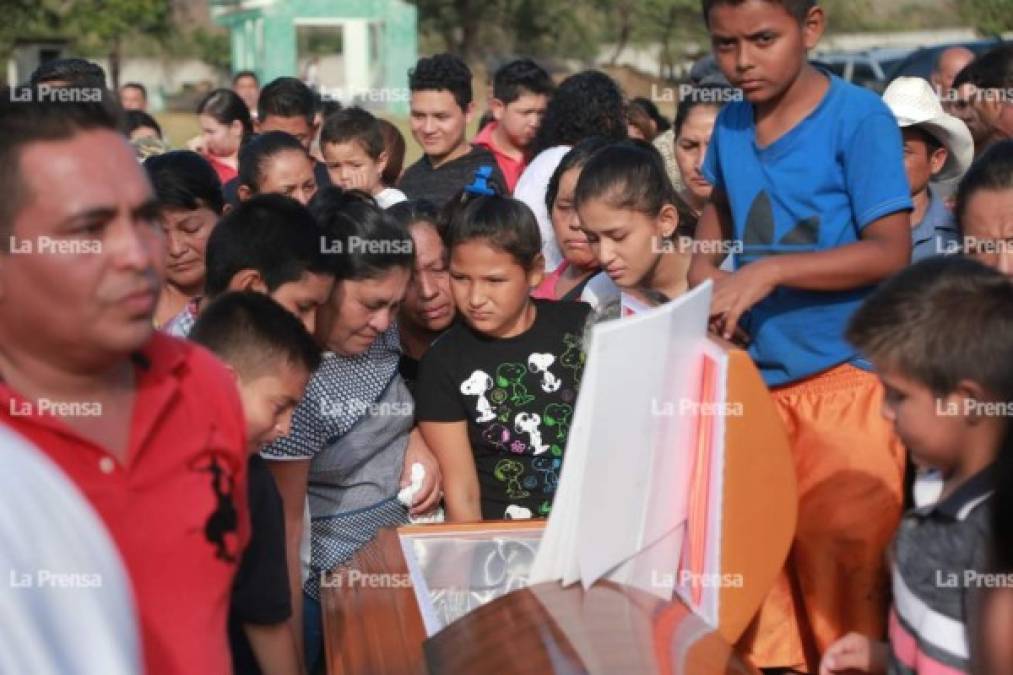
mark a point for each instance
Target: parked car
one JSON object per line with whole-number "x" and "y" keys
{"x": 866, "y": 68}
{"x": 921, "y": 62}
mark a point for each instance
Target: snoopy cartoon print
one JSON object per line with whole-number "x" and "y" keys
{"x": 514, "y": 512}
{"x": 477, "y": 384}
{"x": 527, "y": 423}
{"x": 539, "y": 363}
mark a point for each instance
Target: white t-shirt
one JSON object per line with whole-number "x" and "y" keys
{"x": 531, "y": 189}
{"x": 388, "y": 197}
{"x": 65, "y": 599}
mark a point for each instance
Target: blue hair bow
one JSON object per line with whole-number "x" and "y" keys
{"x": 480, "y": 184}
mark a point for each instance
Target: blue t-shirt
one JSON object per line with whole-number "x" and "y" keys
{"x": 814, "y": 188}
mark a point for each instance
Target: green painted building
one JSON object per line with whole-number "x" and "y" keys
{"x": 357, "y": 51}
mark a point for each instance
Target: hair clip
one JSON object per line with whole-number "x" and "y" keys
{"x": 480, "y": 185}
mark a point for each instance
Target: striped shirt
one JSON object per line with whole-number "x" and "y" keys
{"x": 939, "y": 568}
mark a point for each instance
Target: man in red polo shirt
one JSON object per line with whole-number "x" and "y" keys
{"x": 521, "y": 91}
{"x": 149, "y": 428}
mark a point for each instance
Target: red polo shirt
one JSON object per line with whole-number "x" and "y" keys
{"x": 511, "y": 168}
{"x": 176, "y": 508}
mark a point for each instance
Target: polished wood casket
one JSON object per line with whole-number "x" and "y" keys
{"x": 377, "y": 623}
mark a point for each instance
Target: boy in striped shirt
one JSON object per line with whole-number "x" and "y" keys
{"x": 940, "y": 334}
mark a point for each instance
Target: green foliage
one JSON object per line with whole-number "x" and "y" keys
{"x": 989, "y": 17}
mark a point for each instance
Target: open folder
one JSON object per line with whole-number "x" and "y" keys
{"x": 639, "y": 497}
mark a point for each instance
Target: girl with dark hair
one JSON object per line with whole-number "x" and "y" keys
{"x": 629, "y": 210}
{"x": 276, "y": 162}
{"x": 496, "y": 392}
{"x": 225, "y": 125}
{"x": 586, "y": 104}
{"x": 190, "y": 202}
{"x": 351, "y": 446}
{"x": 985, "y": 208}
{"x": 579, "y": 276}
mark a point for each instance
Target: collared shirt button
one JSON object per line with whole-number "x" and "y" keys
{"x": 107, "y": 465}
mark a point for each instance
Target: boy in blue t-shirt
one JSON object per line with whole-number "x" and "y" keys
{"x": 809, "y": 180}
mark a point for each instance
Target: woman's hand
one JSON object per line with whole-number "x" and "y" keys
{"x": 418, "y": 452}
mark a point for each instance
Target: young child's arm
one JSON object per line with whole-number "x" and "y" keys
{"x": 885, "y": 248}
{"x": 449, "y": 442}
{"x": 291, "y": 477}
{"x": 275, "y": 648}
{"x": 854, "y": 653}
{"x": 714, "y": 227}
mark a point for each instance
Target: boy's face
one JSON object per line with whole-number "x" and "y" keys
{"x": 438, "y": 124}
{"x": 521, "y": 118}
{"x": 760, "y": 47}
{"x": 921, "y": 161}
{"x": 351, "y": 167}
{"x": 297, "y": 126}
{"x": 933, "y": 428}
{"x": 305, "y": 296}
{"x": 269, "y": 400}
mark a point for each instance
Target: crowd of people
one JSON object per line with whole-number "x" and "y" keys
{"x": 225, "y": 364}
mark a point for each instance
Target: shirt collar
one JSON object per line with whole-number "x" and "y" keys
{"x": 937, "y": 217}
{"x": 969, "y": 493}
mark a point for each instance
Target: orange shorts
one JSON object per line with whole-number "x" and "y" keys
{"x": 850, "y": 469}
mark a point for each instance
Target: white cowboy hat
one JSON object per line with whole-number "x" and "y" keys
{"x": 914, "y": 103}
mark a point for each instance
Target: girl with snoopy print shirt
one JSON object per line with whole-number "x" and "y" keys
{"x": 496, "y": 392}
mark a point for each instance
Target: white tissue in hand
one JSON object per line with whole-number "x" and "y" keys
{"x": 407, "y": 497}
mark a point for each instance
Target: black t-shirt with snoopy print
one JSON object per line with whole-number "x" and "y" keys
{"x": 517, "y": 395}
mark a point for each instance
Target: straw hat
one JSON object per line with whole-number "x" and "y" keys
{"x": 914, "y": 103}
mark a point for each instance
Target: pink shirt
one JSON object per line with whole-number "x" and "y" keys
{"x": 511, "y": 168}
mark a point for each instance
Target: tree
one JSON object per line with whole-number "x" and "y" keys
{"x": 989, "y": 17}
{"x": 105, "y": 24}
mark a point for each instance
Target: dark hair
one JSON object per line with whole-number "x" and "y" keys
{"x": 261, "y": 148}
{"x": 797, "y": 8}
{"x": 138, "y": 119}
{"x": 354, "y": 124}
{"x": 184, "y": 180}
{"x": 245, "y": 73}
{"x": 712, "y": 95}
{"x": 74, "y": 71}
{"x": 639, "y": 118}
{"x": 647, "y": 105}
{"x": 504, "y": 223}
{"x": 576, "y": 158}
{"x": 366, "y": 241}
{"x": 413, "y": 211}
{"x": 626, "y": 175}
{"x": 992, "y": 171}
{"x": 586, "y": 104}
{"x": 1002, "y": 507}
{"x": 992, "y": 70}
{"x": 250, "y": 332}
{"x": 270, "y": 233}
{"x": 393, "y": 143}
{"x": 931, "y": 141}
{"x": 520, "y": 77}
{"x": 225, "y": 106}
{"x": 286, "y": 97}
{"x": 138, "y": 86}
{"x": 940, "y": 321}
{"x": 34, "y": 121}
{"x": 442, "y": 72}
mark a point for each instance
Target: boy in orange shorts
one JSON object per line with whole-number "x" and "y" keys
{"x": 809, "y": 182}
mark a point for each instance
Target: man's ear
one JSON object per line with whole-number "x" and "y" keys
{"x": 969, "y": 392}
{"x": 243, "y": 192}
{"x": 247, "y": 280}
{"x": 497, "y": 108}
{"x": 469, "y": 112}
{"x": 938, "y": 159}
